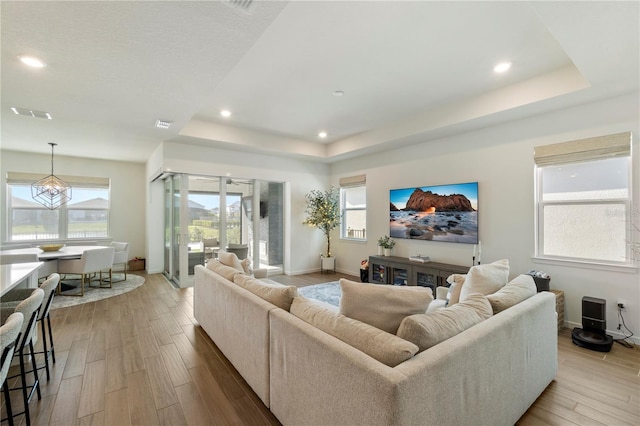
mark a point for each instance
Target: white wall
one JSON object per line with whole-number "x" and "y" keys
{"x": 127, "y": 190}
{"x": 500, "y": 159}
{"x": 303, "y": 245}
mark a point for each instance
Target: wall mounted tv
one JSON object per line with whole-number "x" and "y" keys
{"x": 435, "y": 213}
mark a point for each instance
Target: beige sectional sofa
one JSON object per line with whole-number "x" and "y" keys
{"x": 488, "y": 374}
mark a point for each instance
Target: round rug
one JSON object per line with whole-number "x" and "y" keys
{"x": 92, "y": 294}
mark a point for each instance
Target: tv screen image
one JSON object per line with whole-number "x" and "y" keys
{"x": 435, "y": 213}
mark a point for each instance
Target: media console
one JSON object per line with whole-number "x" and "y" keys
{"x": 395, "y": 270}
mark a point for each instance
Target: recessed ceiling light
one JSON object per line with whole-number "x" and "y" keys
{"x": 163, "y": 124}
{"x": 338, "y": 93}
{"x": 322, "y": 135}
{"x": 32, "y": 61}
{"x": 225, "y": 113}
{"x": 502, "y": 67}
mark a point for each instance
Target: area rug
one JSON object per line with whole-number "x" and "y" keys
{"x": 92, "y": 294}
{"x": 327, "y": 292}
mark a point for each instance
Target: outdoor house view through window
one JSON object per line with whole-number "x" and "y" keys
{"x": 86, "y": 215}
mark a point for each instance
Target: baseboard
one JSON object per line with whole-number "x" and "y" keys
{"x": 613, "y": 333}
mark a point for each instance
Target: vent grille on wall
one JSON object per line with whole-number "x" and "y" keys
{"x": 243, "y": 5}
{"x": 31, "y": 113}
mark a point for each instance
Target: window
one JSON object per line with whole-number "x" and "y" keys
{"x": 583, "y": 200}
{"x": 353, "y": 202}
{"x": 85, "y": 216}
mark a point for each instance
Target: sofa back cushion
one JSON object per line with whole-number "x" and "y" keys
{"x": 427, "y": 330}
{"x": 485, "y": 279}
{"x": 226, "y": 271}
{"x": 230, "y": 259}
{"x": 382, "y": 306}
{"x": 380, "y": 345}
{"x": 277, "y": 294}
{"x": 520, "y": 288}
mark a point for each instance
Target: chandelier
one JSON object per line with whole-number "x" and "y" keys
{"x": 51, "y": 191}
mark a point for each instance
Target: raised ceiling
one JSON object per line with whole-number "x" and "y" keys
{"x": 410, "y": 71}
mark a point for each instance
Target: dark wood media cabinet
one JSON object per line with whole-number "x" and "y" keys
{"x": 395, "y": 270}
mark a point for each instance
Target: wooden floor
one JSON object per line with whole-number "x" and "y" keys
{"x": 141, "y": 359}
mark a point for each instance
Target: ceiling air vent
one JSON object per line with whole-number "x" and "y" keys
{"x": 31, "y": 113}
{"x": 243, "y": 5}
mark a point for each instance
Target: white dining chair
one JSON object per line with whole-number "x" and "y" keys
{"x": 121, "y": 255}
{"x": 92, "y": 261}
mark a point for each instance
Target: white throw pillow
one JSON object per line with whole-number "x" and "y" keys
{"x": 230, "y": 259}
{"x": 455, "y": 285}
{"x": 518, "y": 289}
{"x": 380, "y": 345}
{"x": 428, "y": 330}
{"x": 382, "y": 306}
{"x": 485, "y": 279}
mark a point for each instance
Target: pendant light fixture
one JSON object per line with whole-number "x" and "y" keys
{"x": 51, "y": 191}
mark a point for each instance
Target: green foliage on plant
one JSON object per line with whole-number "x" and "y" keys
{"x": 386, "y": 242}
{"x": 323, "y": 212}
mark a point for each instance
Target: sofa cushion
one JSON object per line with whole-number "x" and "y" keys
{"x": 485, "y": 279}
{"x": 520, "y": 288}
{"x": 230, "y": 259}
{"x": 382, "y": 306}
{"x": 278, "y": 294}
{"x": 226, "y": 271}
{"x": 455, "y": 285}
{"x": 380, "y": 345}
{"x": 427, "y": 330}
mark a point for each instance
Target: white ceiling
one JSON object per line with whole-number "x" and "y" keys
{"x": 410, "y": 71}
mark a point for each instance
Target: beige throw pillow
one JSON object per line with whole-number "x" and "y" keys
{"x": 485, "y": 279}
{"x": 277, "y": 294}
{"x": 230, "y": 259}
{"x": 455, "y": 285}
{"x": 380, "y": 345}
{"x": 382, "y": 306}
{"x": 226, "y": 271}
{"x": 427, "y": 330}
{"x": 518, "y": 289}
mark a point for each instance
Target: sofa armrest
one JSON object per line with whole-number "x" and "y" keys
{"x": 260, "y": 273}
{"x": 441, "y": 292}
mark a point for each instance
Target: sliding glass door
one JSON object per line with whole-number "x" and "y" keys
{"x": 206, "y": 214}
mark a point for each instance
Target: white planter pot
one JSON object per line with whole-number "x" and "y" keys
{"x": 380, "y": 251}
{"x": 387, "y": 252}
{"x": 328, "y": 263}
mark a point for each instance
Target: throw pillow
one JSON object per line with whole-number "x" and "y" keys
{"x": 485, "y": 279}
{"x": 277, "y": 294}
{"x": 380, "y": 345}
{"x": 230, "y": 259}
{"x": 520, "y": 288}
{"x": 246, "y": 266}
{"x": 226, "y": 271}
{"x": 455, "y": 285}
{"x": 427, "y": 330}
{"x": 382, "y": 306}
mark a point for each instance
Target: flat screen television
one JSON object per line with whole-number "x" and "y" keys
{"x": 435, "y": 213}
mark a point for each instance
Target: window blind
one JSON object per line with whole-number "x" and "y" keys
{"x": 74, "y": 181}
{"x": 353, "y": 180}
{"x": 617, "y": 145}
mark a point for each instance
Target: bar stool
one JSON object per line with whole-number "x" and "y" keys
{"x": 15, "y": 296}
{"x": 9, "y": 335}
{"x": 29, "y": 308}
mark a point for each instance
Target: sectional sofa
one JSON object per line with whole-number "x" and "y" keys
{"x": 488, "y": 374}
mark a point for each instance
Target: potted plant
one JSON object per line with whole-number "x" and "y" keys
{"x": 387, "y": 244}
{"x": 323, "y": 212}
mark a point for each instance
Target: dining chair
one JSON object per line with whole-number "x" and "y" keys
{"x": 17, "y": 295}
{"x": 121, "y": 255}
{"x": 92, "y": 261}
{"x": 9, "y": 335}
{"x": 29, "y": 309}
{"x": 7, "y": 259}
{"x": 210, "y": 246}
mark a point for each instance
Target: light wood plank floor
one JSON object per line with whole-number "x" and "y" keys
{"x": 141, "y": 359}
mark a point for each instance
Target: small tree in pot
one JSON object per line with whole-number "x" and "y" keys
{"x": 323, "y": 212}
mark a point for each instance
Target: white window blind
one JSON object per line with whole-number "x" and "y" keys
{"x": 617, "y": 145}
